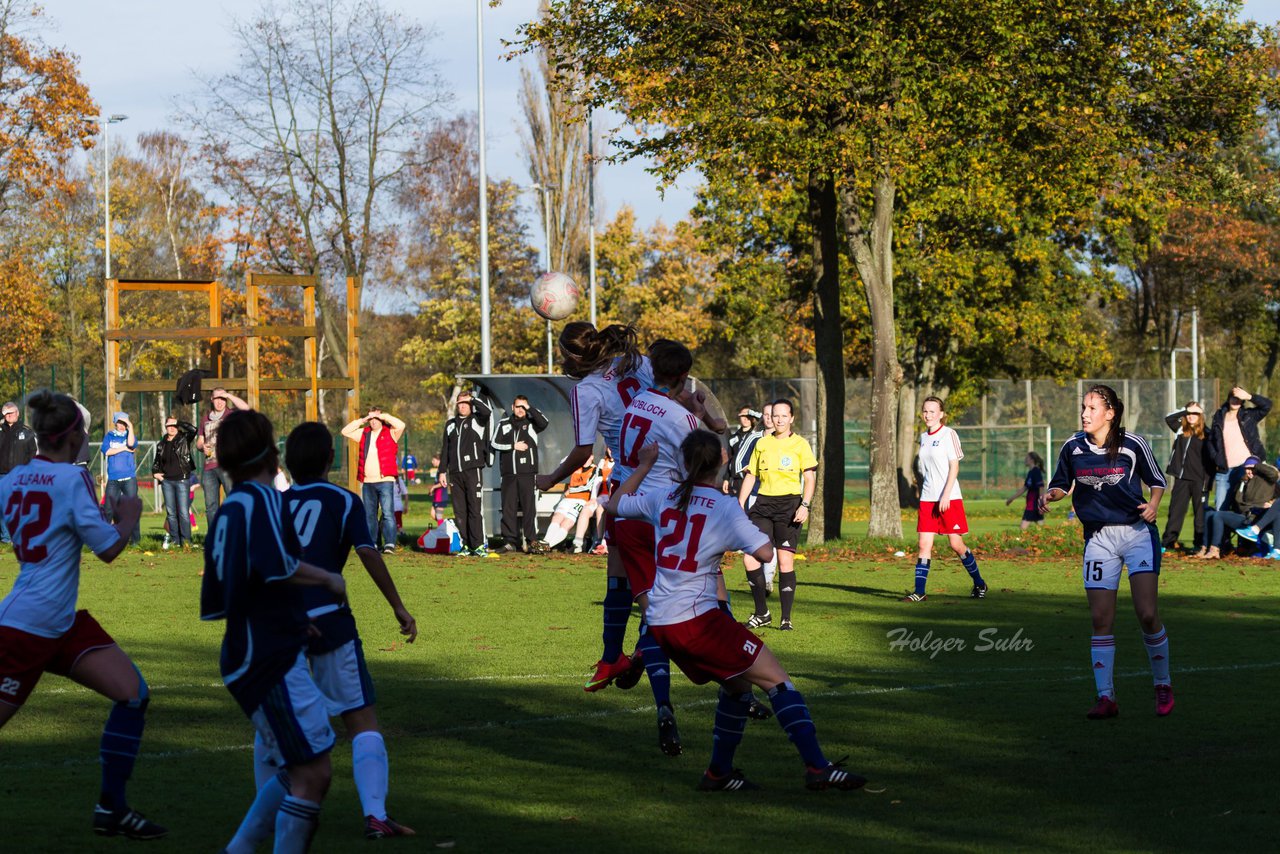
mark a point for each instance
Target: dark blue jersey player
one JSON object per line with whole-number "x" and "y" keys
{"x": 329, "y": 522}
{"x": 253, "y": 579}
{"x": 1104, "y": 468}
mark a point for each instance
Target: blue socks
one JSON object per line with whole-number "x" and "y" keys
{"x": 731, "y": 723}
{"x": 922, "y": 575}
{"x": 971, "y": 566}
{"x": 617, "y": 610}
{"x": 121, "y": 740}
{"x": 657, "y": 666}
{"x": 793, "y": 716}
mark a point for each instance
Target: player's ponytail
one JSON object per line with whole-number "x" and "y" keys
{"x": 55, "y": 418}
{"x": 1115, "y": 436}
{"x": 587, "y": 350}
{"x": 703, "y": 456}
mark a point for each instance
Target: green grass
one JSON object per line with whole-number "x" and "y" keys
{"x": 495, "y": 747}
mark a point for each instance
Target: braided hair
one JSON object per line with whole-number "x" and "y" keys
{"x": 1115, "y": 436}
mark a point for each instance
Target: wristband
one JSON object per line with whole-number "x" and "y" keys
{"x": 804, "y": 504}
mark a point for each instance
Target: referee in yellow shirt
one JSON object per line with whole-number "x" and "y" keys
{"x": 786, "y": 467}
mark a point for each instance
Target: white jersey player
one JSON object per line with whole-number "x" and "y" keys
{"x": 52, "y": 512}
{"x": 697, "y": 524}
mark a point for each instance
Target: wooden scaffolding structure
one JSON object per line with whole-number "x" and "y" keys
{"x": 253, "y": 332}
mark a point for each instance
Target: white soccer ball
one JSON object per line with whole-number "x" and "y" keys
{"x": 554, "y": 296}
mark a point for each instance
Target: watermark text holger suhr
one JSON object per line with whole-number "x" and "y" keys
{"x": 989, "y": 640}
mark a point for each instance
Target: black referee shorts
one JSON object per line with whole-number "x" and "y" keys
{"x": 775, "y": 516}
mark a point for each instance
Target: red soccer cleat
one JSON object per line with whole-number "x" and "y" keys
{"x": 606, "y": 673}
{"x": 1164, "y": 700}
{"x": 384, "y": 828}
{"x": 1103, "y": 709}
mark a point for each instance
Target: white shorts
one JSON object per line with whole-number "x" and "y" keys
{"x": 342, "y": 678}
{"x": 1136, "y": 547}
{"x": 293, "y": 720}
{"x": 570, "y": 508}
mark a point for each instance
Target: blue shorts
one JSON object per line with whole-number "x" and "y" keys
{"x": 1136, "y": 547}
{"x": 293, "y": 719}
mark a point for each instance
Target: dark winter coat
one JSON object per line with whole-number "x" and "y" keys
{"x": 511, "y": 430}
{"x": 17, "y": 445}
{"x": 1248, "y": 417}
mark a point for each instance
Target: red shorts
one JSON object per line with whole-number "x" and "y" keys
{"x": 930, "y": 521}
{"x": 25, "y": 657}
{"x": 635, "y": 542}
{"x": 711, "y": 646}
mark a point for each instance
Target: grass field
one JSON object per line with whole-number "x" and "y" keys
{"x": 495, "y": 747}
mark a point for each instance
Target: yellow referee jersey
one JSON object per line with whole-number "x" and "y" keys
{"x": 780, "y": 464}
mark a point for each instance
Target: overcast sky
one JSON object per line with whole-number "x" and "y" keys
{"x": 138, "y": 56}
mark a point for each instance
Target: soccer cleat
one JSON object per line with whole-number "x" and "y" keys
{"x": 833, "y": 777}
{"x": 734, "y": 781}
{"x": 606, "y": 672}
{"x": 388, "y": 550}
{"x": 979, "y": 591}
{"x": 1247, "y": 533}
{"x": 539, "y": 547}
{"x": 384, "y": 828}
{"x": 914, "y": 597}
{"x": 128, "y": 823}
{"x": 785, "y": 626}
{"x": 480, "y": 551}
{"x": 758, "y": 620}
{"x": 758, "y": 711}
{"x": 627, "y": 680}
{"x": 1164, "y": 700}
{"x": 1103, "y": 709}
{"x": 508, "y": 548}
{"x": 668, "y": 735}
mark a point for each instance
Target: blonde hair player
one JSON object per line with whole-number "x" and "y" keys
{"x": 941, "y": 507}
{"x": 1104, "y": 467}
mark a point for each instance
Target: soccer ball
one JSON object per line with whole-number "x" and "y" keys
{"x": 554, "y": 296}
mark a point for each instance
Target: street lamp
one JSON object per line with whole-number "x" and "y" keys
{"x": 106, "y": 122}
{"x": 486, "y": 362}
{"x": 546, "y": 230}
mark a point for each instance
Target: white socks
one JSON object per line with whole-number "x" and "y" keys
{"x": 369, "y": 767}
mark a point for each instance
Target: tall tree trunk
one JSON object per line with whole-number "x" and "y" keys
{"x": 908, "y": 401}
{"x": 828, "y": 499}
{"x": 872, "y": 250}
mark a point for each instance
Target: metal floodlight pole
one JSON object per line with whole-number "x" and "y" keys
{"x": 546, "y": 231}
{"x": 591, "y": 217}
{"x": 486, "y": 360}
{"x": 1195, "y": 355}
{"x": 106, "y": 122}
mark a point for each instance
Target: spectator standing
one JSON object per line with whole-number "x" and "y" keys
{"x": 1190, "y": 464}
{"x": 122, "y": 468}
{"x": 463, "y": 455}
{"x": 17, "y": 447}
{"x": 214, "y": 477}
{"x": 171, "y": 469}
{"x": 747, "y": 420}
{"x": 379, "y": 436}
{"x": 1234, "y": 439}
{"x": 516, "y": 441}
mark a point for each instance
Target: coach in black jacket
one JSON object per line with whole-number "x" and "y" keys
{"x": 516, "y": 441}
{"x": 464, "y": 454}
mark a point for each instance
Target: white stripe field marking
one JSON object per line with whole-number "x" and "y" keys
{"x": 648, "y": 709}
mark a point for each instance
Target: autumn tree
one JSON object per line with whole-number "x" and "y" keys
{"x": 310, "y": 135}
{"x": 42, "y": 100}
{"x": 554, "y": 138}
{"x": 872, "y": 107}
{"x": 439, "y": 199}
